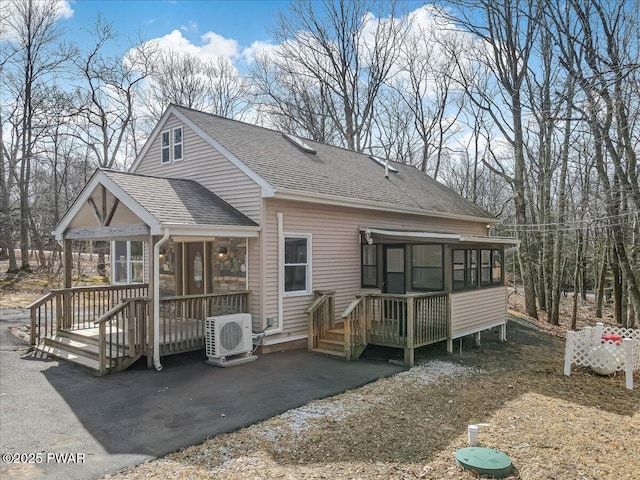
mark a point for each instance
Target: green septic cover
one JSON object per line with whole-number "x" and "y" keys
{"x": 485, "y": 461}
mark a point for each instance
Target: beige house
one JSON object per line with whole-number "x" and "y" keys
{"x": 325, "y": 248}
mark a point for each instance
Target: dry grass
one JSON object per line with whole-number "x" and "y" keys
{"x": 409, "y": 426}
{"x": 21, "y": 289}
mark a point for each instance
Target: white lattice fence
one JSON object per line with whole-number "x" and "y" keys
{"x": 606, "y": 349}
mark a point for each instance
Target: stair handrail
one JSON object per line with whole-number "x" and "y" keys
{"x": 355, "y": 329}
{"x": 135, "y": 325}
{"x": 36, "y": 327}
{"x": 321, "y": 316}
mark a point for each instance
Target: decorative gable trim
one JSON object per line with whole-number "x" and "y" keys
{"x": 100, "y": 178}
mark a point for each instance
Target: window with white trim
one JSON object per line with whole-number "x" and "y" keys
{"x": 171, "y": 145}
{"x": 297, "y": 264}
{"x": 127, "y": 262}
{"x": 177, "y": 144}
{"x": 165, "y": 148}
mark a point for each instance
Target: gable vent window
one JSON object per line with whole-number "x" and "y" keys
{"x": 171, "y": 149}
{"x": 299, "y": 143}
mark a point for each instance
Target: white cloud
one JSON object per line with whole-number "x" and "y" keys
{"x": 212, "y": 45}
{"x": 64, "y": 9}
{"x": 252, "y": 51}
{"x": 215, "y": 44}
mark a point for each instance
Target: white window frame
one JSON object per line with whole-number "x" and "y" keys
{"x": 164, "y": 147}
{"x": 129, "y": 263}
{"x": 171, "y": 146}
{"x": 308, "y": 264}
{"x": 180, "y": 143}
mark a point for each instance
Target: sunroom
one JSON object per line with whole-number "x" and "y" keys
{"x": 421, "y": 287}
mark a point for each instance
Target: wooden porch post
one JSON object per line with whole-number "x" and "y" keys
{"x": 409, "y": 359}
{"x": 150, "y": 324}
{"x": 65, "y": 308}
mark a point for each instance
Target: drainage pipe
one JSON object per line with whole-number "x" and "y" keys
{"x": 156, "y": 300}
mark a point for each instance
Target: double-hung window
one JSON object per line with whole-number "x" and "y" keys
{"x": 127, "y": 262}
{"x": 171, "y": 145}
{"x": 297, "y": 264}
{"x": 165, "y": 149}
{"x": 177, "y": 144}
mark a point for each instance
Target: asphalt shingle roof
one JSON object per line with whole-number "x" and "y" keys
{"x": 331, "y": 171}
{"x": 178, "y": 201}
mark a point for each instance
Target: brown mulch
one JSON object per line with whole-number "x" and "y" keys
{"x": 409, "y": 426}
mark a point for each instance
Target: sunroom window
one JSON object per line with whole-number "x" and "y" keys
{"x": 127, "y": 262}
{"x": 427, "y": 272}
{"x": 466, "y": 268}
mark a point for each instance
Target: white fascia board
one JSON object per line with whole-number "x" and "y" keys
{"x": 100, "y": 178}
{"x": 415, "y": 234}
{"x": 267, "y": 188}
{"x": 442, "y": 236}
{"x": 154, "y": 133}
{"x": 323, "y": 199}
{"x": 212, "y": 231}
{"x": 500, "y": 240}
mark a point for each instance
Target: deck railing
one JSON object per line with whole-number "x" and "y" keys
{"x": 77, "y": 308}
{"x": 407, "y": 321}
{"x": 122, "y": 333}
{"x": 321, "y": 317}
{"x": 355, "y": 328}
{"x": 182, "y": 318}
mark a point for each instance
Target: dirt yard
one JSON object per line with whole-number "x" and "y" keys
{"x": 583, "y": 427}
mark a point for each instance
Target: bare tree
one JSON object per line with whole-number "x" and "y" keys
{"x": 32, "y": 51}
{"x": 507, "y": 31}
{"x": 212, "y": 85}
{"x": 599, "y": 44}
{"x": 107, "y": 95}
{"x": 430, "y": 91}
{"x": 347, "y": 52}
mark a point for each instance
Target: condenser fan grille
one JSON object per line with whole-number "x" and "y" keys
{"x": 230, "y": 336}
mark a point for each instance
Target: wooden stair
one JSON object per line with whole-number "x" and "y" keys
{"x": 82, "y": 349}
{"x": 332, "y": 344}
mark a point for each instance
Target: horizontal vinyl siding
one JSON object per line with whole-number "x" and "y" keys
{"x": 335, "y": 250}
{"x": 204, "y": 164}
{"x": 476, "y": 310}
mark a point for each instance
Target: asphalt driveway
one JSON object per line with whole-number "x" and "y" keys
{"x": 56, "y": 414}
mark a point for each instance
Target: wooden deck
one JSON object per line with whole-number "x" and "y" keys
{"x": 107, "y": 329}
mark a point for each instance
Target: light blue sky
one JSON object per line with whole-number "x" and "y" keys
{"x": 232, "y": 28}
{"x": 243, "y": 20}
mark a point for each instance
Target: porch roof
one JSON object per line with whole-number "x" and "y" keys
{"x": 413, "y": 235}
{"x": 181, "y": 205}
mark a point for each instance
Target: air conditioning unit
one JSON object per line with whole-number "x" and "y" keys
{"x": 227, "y": 336}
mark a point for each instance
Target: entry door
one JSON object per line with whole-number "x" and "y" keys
{"x": 195, "y": 268}
{"x": 394, "y": 270}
